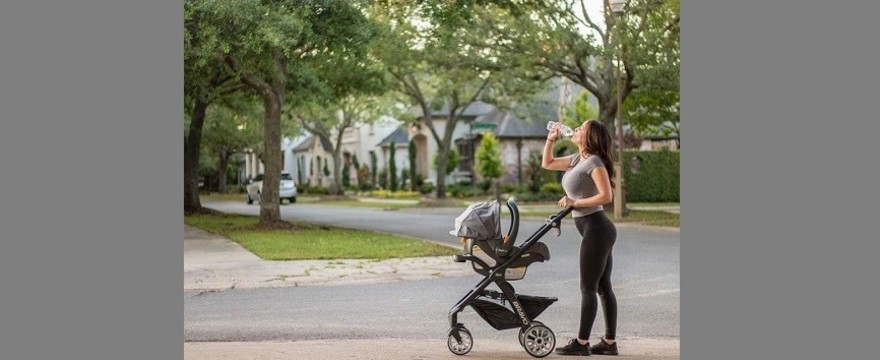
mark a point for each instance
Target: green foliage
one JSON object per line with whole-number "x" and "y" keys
{"x": 392, "y": 167}
{"x": 412, "y": 164}
{"x": 346, "y": 175}
{"x": 653, "y": 108}
{"x": 383, "y": 178}
{"x": 451, "y": 162}
{"x": 373, "y": 166}
{"x": 404, "y": 177}
{"x": 536, "y": 174}
{"x": 580, "y": 111}
{"x": 553, "y": 188}
{"x": 489, "y": 157}
{"x": 355, "y": 162}
{"x": 388, "y": 194}
{"x": 315, "y": 242}
{"x": 363, "y": 178}
{"x": 656, "y": 178}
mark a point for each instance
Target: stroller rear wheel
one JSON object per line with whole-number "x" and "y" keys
{"x": 463, "y": 344}
{"x": 538, "y": 340}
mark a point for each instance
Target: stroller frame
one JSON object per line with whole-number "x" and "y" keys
{"x": 535, "y": 337}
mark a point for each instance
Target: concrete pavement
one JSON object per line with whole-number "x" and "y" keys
{"x": 434, "y": 349}
{"x": 214, "y": 263}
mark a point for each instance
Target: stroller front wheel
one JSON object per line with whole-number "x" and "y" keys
{"x": 463, "y": 344}
{"x": 538, "y": 340}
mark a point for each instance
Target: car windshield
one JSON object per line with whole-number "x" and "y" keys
{"x": 286, "y": 177}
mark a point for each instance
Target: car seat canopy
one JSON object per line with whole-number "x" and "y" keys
{"x": 480, "y": 221}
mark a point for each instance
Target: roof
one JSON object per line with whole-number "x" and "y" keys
{"x": 511, "y": 126}
{"x": 309, "y": 142}
{"x": 399, "y": 136}
{"x": 476, "y": 108}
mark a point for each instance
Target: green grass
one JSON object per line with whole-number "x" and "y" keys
{"x": 243, "y": 197}
{"x": 370, "y": 204}
{"x": 647, "y": 217}
{"x": 310, "y": 242}
{"x": 655, "y": 218}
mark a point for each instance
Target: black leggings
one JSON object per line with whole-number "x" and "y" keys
{"x": 599, "y": 235}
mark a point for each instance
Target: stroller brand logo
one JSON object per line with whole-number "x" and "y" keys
{"x": 519, "y": 310}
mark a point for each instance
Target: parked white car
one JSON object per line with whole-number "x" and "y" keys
{"x": 287, "y": 190}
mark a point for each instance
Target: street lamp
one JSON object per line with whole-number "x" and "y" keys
{"x": 617, "y": 9}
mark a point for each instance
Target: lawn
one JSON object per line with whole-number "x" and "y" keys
{"x": 311, "y": 242}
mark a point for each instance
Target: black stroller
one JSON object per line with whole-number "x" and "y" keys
{"x": 495, "y": 257}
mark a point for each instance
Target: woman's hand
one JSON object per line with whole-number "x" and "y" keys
{"x": 554, "y": 133}
{"x": 565, "y": 202}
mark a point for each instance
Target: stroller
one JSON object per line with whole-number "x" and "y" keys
{"x": 496, "y": 258}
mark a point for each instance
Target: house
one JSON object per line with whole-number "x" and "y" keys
{"x": 519, "y": 132}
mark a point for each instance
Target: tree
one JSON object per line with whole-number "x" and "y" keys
{"x": 205, "y": 80}
{"x": 329, "y": 120}
{"x": 427, "y": 53}
{"x": 451, "y": 162}
{"x": 274, "y": 47}
{"x": 654, "y": 106}
{"x": 373, "y": 167}
{"x": 489, "y": 160}
{"x": 580, "y": 111}
{"x": 392, "y": 166}
{"x": 231, "y": 128}
{"x": 561, "y": 38}
{"x": 412, "y": 166}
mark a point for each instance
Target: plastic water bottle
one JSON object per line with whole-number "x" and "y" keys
{"x": 566, "y": 131}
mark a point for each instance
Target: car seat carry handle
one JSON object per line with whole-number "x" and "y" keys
{"x": 514, "y": 219}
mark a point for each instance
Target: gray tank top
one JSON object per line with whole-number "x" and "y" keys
{"x": 578, "y": 184}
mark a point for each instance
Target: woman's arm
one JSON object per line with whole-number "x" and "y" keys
{"x": 547, "y": 160}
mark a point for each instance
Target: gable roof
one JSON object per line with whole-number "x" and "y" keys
{"x": 309, "y": 142}
{"x": 476, "y": 108}
{"x": 511, "y": 126}
{"x": 399, "y": 136}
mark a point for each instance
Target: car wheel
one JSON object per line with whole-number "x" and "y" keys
{"x": 293, "y": 200}
{"x": 249, "y": 200}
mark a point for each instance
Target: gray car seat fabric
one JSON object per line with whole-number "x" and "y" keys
{"x": 481, "y": 221}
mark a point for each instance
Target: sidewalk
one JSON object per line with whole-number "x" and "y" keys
{"x": 630, "y": 349}
{"x": 214, "y": 263}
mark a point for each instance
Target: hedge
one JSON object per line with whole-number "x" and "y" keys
{"x": 656, "y": 178}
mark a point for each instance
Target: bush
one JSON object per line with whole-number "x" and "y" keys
{"x": 396, "y": 194}
{"x": 427, "y": 188}
{"x": 552, "y": 187}
{"x": 654, "y": 177}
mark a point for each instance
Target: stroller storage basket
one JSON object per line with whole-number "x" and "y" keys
{"x": 501, "y": 317}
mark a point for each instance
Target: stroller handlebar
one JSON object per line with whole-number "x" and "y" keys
{"x": 514, "y": 218}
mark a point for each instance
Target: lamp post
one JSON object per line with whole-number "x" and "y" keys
{"x": 617, "y": 9}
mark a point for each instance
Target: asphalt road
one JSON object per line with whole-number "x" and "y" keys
{"x": 646, "y": 278}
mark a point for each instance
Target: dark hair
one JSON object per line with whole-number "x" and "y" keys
{"x": 597, "y": 141}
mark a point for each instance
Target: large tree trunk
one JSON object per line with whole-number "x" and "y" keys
{"x": 192, "y": 147}
{"x": 337, "y": 188}
{"x": 270, "y": 210}
{"x": 443, "y": 159}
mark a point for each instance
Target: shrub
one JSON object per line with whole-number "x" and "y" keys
{"x": 552, "y": 187}
{"x": 652, "y": 176}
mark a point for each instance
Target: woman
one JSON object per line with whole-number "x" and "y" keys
{"x": 587, "y": 184}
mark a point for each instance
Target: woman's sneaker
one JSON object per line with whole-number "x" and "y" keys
{"x": 574, "y": 348}
{"x": 603, "y": 348}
